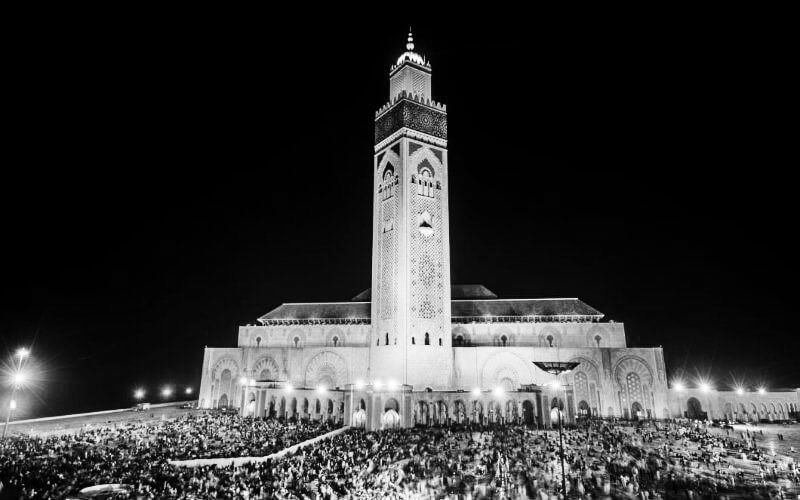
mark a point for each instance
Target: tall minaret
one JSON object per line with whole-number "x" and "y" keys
{"x": 411, "y": 334}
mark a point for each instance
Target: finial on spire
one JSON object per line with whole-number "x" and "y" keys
{"x": 410, "y": 44}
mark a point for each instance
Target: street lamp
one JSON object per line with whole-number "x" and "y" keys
{"x": 557, "y": 368}
{"x": 138, "y": 393}
{"x": 188, "y": 390}
{"x": 17, "y": 380}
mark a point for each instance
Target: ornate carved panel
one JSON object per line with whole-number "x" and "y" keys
{"x": 414, "y": 116}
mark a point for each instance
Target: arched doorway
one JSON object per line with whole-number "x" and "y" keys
{"x": 477, "y": 412}
{"x": 251, "y": 406}
{"x": 441, "y": 412}
{"x": 527, "y": 412}
{"x": 636, "y": 411}
{"x": 223, "y": 401}
{"x": 511, "y": 411}
{"x": 359, "y": 419}
{"x": 423, "y": 413}
{"x": 583, "y": 409}
{"x": 694, "y": 409}
{"x": 390, "y": 420}
{"x": 460, "y": 411}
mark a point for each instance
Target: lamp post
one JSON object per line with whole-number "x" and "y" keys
{"x": 557, "y": 368}
{"x": 17, "y": 380}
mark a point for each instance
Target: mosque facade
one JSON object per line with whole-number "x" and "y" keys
{"x": 416, "y": 349}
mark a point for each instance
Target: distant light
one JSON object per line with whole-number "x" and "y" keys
{"x": 243, "y": 380}
{"x": 252, "y": 381}
{"x": 188, "y": 390}
{"x": 167, "y": 392}
{"x": 288, "y": 388}
{"x": 476, "y": 391}
{"x": 23, "y": 352}
{"x": 679, "y": 386}
{"x": 739, "y": 391}
{"x": 12, "y": 405}
{"x": 19, "y": 378}
{"x": 705, "y": 387}
{"x": 762, "y": 391}
{"x": 321, "y": 389}
{"x": 555, "y": 384}
{"x": 138, "y": 393}
{"x": 498, "y": 391}
{"x": 359, "y": 384}
{"x": 377, "y": 384}
{"x": 391, "y": 385}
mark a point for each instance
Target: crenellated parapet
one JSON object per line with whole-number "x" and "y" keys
{"x": 414, "y": 97}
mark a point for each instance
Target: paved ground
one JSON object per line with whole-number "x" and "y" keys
{"x": 74, "y": 424}
{"x": 769, "y": 441}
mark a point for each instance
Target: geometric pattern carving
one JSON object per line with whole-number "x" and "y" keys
{"x": 326, "y": 368}
{"x": 632, "y": 390}
{"x": 427, "y": 268}
{"x": 266, "y": 369}
{"x": 503, "y": 368}
{"x": 414, "y": 116}
{"x": 636, "y": 365}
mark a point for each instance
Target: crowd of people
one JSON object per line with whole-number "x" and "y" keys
{"x": 603, "y": 458}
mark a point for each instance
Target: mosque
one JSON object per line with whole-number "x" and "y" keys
{"x": 416, "y": 349}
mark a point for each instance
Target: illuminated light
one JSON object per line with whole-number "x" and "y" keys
{"x": 23, "y": 352}
{"x": 377, "y": 384}
{"x": 167, "y": 392}
{"x": 322, "y": 389}
{"x": 679, "y": 386}
{"x": 739, "y": 391}
{"x": 243, "y": 380}
{"x": 498, "y": 391}
{"x": 391, "y": 385}
{"x": 555, "y": 384}
{"x": 288, "y": 388}
{"x": 762, "y": 391}
{"x": 138, "y": 393}
{"x": 188, "y": 390}
{"x": 12, "y": 405}
{"x": 252, "y": 381}
{"x": 476, "y": 391}
{"x": 705, "y": 387}
{"x": 19, "y": 378}
{"x": 359, "y": 384}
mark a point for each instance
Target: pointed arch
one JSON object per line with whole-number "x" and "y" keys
{"x": 504, "y": 368}
{"x": 635, "y": 364}
{"x": 266, "y": 368}
{"x": 326, "y": 368}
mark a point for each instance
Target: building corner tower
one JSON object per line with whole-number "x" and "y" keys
{"x": 411, "y": 335}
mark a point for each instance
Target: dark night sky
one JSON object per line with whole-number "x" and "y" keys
{"x": 173, "y": 182}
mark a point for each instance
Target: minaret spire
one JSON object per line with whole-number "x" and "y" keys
{"x": 410, "y": 44}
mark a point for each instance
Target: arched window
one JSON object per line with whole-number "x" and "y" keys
{"x": 550, "y": 340}
{"x": 387, "y": 338}
{"x": 440, "y": 340}
{"x": 377, "y": 341}
{"x": 504, "y": 340}
{"x": 460, "y": 340}
{"x": 258, "y": 341}
{"x": 413, "y": 341}
{"x": 297, "y": 342}
{"x": 335, "y": 341}
{"x": 598, "y": 338}
{"x": 633, "y": 391}
{"x": 427, "y": 338}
